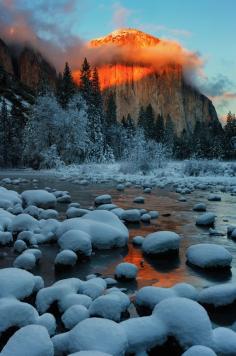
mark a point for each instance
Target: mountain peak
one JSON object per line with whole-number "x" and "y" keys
{"x": 126, "y": 36}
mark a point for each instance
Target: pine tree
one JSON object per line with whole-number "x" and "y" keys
{"x": 66, "y": 87}
{"x": 169, "y": 133}
{"x": 17, "y": 124}
{"x": 141, "y": 117}
{"x": 159, "y": 128}
{"x": 85, "y": 81}
{"x": 149, "y": 123}
{"x": 111, "y": 111}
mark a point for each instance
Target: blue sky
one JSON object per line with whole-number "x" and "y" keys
{"x": 207, "y": 27}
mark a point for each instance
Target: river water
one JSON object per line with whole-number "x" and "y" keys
{"x": 163, "y": 272}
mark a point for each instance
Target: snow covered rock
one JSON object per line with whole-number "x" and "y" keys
{"x": 148, "y": 297}
{"x": 154, "y": 214}
{"x": 138, "y": 240}
{"x": 24, "y": 222}
{"x": 206, "y": 219}
{"x": 147, "y": 190}
{"x": 209, "y": 256}
{"x": 18, "y": 283}
{"x": 73, "y": 315}
{"x": 118, "y": 212}
{"x": 64, "y": 199}
{"x": 126, "y": 271}
{"x": 31, "y": 340}
{"x": 131, "y": 215}
{"x": 139, "y": 200}
{"x": 120, "y": 187}
{"x": 103, "y": 199}
{"x": 40, "y": 198}
{"x": 74, "y": 299}
{"x": 214, "y": 197}
{"x": 109, "y": 306}
{"x": 199, "y": 350}
{"x": 215, "y": 232}
{"x": 199, "y": 207}
{"x": 224, "y": 341}
{"x": 56, "y": 293}
{"x": 9, "y": 198}
{"x": 74, "y": 212}
{"x": 108, "y": 207}
{"x": 66, "y": 258}
{"x": 145, "y": 218}
{"x": 77, "y": 241}
{"x": 104, "y": 227}
{"x": 5, "y": 238}
{"x": 93, "y": 287}
{"x": 32, "y": 210}
{"x": 25, "y": 260}
{"x": 90, "y": 353}
{"x": 185, "y": 320}
{"x": 97, "y": 334}
{"x": 20, "y": 246}
{"x": 48, "y": 214}
{"x": 218, "y": 295}
{"x": 143, "y": 334}
{"x": 161, "y": 242}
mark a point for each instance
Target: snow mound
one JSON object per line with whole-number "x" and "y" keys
{"x": 131, "y": 215}
{"x": 96, "y": 334}
{"x": 108, "y": 207}
{"x": 138, "y": 240}
{"x": 161, "y": 242}
{"x": 26, "y": 261}
{"x": 31, "y": 340}
{"x": 40, "y": 198}
{"x": 186, "y": 320}
{"x": 126, "y": 271}
{"x": 48, "y": 214}
{"x": 24, "y": 222}
{"x": 76, "y": 240}
{"x": 139, "y": 200}
{"x": 143, "y": 334}
{"x": 5, "y": 238}
{"x": 199, "y": 350}
{"x": 66, "y": 258}
{"x": 154, "y": 214}
{"x": 74, "y": 212}
{"x": 104, "y": 227}
{"x": 214, "y": 197}
{"x": 206, "y": 219}
{"x": 74, "y": 315}
{"x": 209, "y": 256}
{"x": 224, "y": 341}
{"x": 9, "y": 198}
{"x": 93, "y": 287}
{"x": 18, "y": 283}
{"x": 103, "y": 199}
{"x": 74, "y": 299}
{"x": 219, "y": 295}
{"x": 56, "y": 293}
{"x": 150, "y": 296}
{"x": 20, "y": 246}
{"x": 199, "y": 207}
{"x": 145, "y": 218}
{"x": 109, "y": 306}
{"x": 90, "y": 353}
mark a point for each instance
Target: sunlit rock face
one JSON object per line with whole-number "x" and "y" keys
{"x": 136, "y": 82}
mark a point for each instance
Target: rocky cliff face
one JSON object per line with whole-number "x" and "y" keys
{"x": 30, "y": 67}
{"x": 5, "y": 58}
{"x": 33, "y": 69}
{"x": 137, "y": 85}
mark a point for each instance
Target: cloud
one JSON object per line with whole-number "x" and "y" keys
{"x": 120, "y": 15}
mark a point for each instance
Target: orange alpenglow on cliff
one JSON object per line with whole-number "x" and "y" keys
{"x": 140, "y": 69}
{"x": 128, "y": 55}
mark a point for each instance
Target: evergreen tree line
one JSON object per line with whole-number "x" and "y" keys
{"x": 72, "y": 124}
